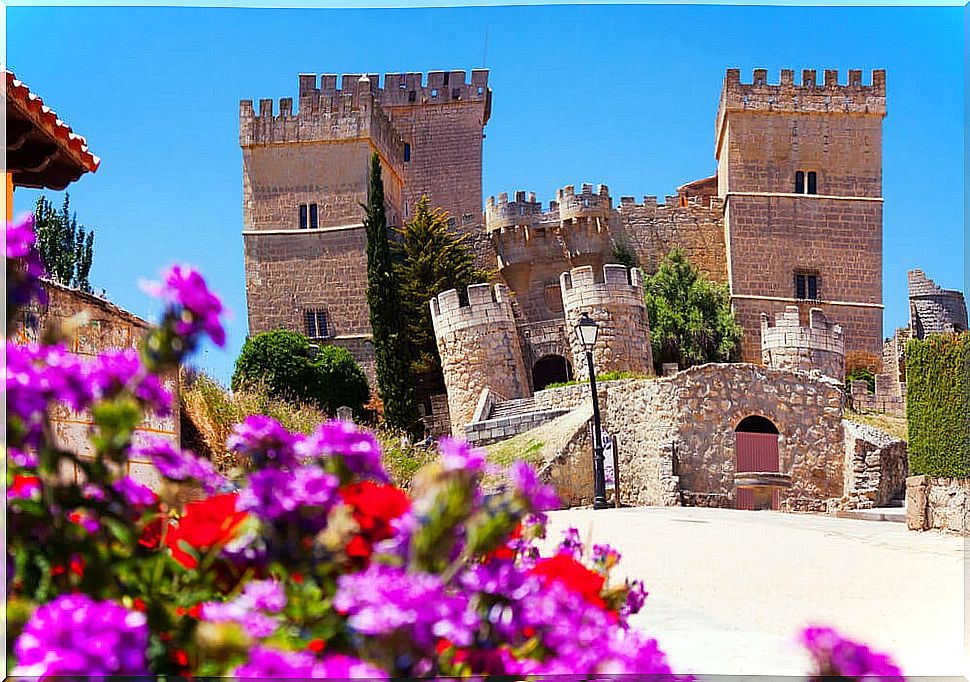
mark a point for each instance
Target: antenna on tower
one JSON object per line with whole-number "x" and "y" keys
{"x": 485, "y": 51}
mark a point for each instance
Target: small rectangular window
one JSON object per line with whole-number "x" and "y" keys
{"x": 303, "y": 214}
{"x": 812, "y": 184}
{"x": 806, "y": 286}
{"x": 407, "y": 152}
{"x": 800, "y": 286}
{"x": 412, "y": 95}
{"x": 812, "y": 287}
{"x": 316, "y": 323}
{"x": 313, "y": 217}
{"x": 799, "y": 182}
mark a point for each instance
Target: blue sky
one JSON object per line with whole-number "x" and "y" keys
{"x": 623, "y": 95}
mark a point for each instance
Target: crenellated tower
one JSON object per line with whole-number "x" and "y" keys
{"x": 479, "y": 349}
{"x": 616, "y": 304}
{"x": 800, "y": 174}
{"x": 789, "y": 345}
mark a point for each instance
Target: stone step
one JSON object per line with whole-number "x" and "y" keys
{"x": 508, "y": 408}
{"x": 894, "y": 514}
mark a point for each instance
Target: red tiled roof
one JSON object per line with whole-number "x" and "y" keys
{"x": 33, "y": 106}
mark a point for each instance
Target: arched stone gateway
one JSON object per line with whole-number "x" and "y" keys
{"x": 551, "y": 369}
{"x": 756, "y": 451}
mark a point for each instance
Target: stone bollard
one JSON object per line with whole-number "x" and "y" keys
{"x": 668, "y": 369}
{"x": 916, "y": 490}
{"x": 345, "y": 413}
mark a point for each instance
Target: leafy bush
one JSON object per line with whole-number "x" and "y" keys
{"x": 691, "y": 320}
{"x": 313, "y": 566}
{"x": 860, "y": 364}
{"x": 280, "y": 361}
{"x": 936, "y": 405}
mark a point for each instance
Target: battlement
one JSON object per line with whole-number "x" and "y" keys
{"x": 672, "y": 203}
{"x": 523, "y": 210}
{"x": 402, "y": 89}
{"x": 488, "y": 305}
{"x": 789, "y": 345}
{"x": 586, "y": 204}
{"x": 583, "y": 286}
{"x": 353, "y": 114}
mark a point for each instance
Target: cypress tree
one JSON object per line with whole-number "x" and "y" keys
{"x": 391, "y": 353}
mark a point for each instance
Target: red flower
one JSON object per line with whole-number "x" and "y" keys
{"x": 77, "y": 566}
{"x": 151, "y": 534}
{"x": 138, "y": 604}
{"x": 505, "y": 552}
{"x": 24, "y": 487}
{"x": 316, "y": 645}
{"x": 572, "y": 575}
{"x": 297, "y": 578}
{"x": 205, "y": 524}
{"x": 374, "y": 507}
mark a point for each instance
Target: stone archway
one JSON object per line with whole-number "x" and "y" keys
{"x": 756, "y": 449}
{"x": 550, "y": 369}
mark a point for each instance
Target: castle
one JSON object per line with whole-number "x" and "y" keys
{"x": 790, "y": 221}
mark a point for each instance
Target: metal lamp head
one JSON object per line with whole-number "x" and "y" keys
{"x": 586, "y": 330}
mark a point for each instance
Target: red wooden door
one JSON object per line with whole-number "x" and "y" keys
{"x": 755, "y": 452}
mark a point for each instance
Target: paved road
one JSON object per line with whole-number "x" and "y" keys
{"x": 729, "y": 590}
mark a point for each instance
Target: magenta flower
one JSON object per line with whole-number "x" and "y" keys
{"x": 178, "y": 465}
{"x": 38, "y": 376}
{"x": 23, "y": 459}
{"x": 540, "y": 497}
{"x": 24, "y": 266}
{"x": 75, "y": 635}
{"x": 118, "y": 370}
{"x": 383, "y": 600}
{"x": 264, "y": 441}
{"x": 194, "y": 309}
{"x": 571, "y": 544}
{"x": 136, "y": 494}
{"x": 340, "y": 667}
{"x": 836, "y": 656}
{"x": 458, "y": 455}
{"x": 359, "y": 450}
{"x": 267, "y": 664}
{"x": 305, "y": 494}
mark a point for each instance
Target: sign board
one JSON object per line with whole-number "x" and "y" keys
{"x": 608, "y": 459}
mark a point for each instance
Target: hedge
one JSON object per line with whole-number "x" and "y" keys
{"x": 936, "y": 405}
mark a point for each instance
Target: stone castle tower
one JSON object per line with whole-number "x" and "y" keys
{"x": 792, "y": 217}
{"x": 799, "y": 167}
{"x": 789, "y": 345}
{"x": 305, "y": 174}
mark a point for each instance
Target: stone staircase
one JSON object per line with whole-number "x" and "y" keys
{"x": 508, "y": 418}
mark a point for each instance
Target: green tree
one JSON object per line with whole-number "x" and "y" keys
{"x": 691, "y": 321}
{"x": 430, "y": 259}
{"x": 65, "y": 247}
{"x": 625, "y": 255}
{"x": 391, "y": 353}
{"x": 282, "y": 362}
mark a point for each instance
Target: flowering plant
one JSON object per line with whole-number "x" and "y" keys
{"x": 309, "y": 563}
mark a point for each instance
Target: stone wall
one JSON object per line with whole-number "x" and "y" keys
{"x": 97, "y": 326}
{"x": 765, "y": 133}
{"x": 938, "y": 504}
{"x": 887, "y": 398}
{"x": 695, "y": 227}
{"x": 876, "y": 467}
{"x": 817, "y": 347}
{"x": 616, "y": 304}
{"x": 932, "y": 309}
{"x": 479, "y": 349}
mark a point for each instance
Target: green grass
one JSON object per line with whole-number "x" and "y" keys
{"x": 607, "y": 376}
{"x": 894, "y": 426}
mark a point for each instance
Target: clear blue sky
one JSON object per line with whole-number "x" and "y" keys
{"x": 624, "y": 95}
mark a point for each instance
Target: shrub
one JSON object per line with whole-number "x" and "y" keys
{"x": 936, "y": 405}
{"x": 281, "y": 362}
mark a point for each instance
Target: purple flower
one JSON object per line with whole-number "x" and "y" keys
{"x": 268, "y": 664}
{"x": 635, "y": 599}
{"x": 541, "y": 497}
{"x": 24, "y": 266}
{"x": 264, "y": 441}
{"x": 340, "y": 667}
{"x": 306, "y": 494}
{"x": 383, "y": 600}
{"x": 248, "y": 608}
{"x": 358, "y": 450}
{"x": 266, "y": 595}
{"x": 75, "y": 635}
{"x": 571, "y": 544}
{"x": 178, "y": 465}
{"x": 20, "y": 458}
{"x": 117, "y": 370}
{"x": 458, "y": 455}
{"x": 836, "y": 656}
{"x": 38, "y": 376}
{"x": 135, "y": 493}
{"x": 195, "y": 310}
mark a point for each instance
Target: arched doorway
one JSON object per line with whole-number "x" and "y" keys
{"x": 550, "y": 369}
{"x": 756, "y": 449}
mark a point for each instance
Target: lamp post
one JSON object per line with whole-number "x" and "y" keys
{"x": 586, "y": 330}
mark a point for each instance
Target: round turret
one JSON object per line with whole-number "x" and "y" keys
{"x": 616, "y": 304}
{"x": 788, "y": 345}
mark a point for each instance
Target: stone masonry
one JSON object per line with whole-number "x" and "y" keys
{"x": 933, "y": 310}
{"x": 796, "y": 197}
{"x": 788, "y": 345}
{"x": 93, "y": 325}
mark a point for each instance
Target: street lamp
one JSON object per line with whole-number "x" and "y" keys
{"x": 586, "y": 330}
